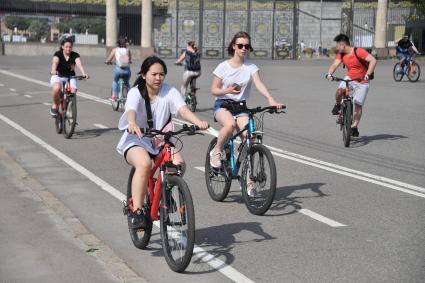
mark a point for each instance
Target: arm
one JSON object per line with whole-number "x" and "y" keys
{"x": 111, "y": 56}
{"x": 333, "y": 68}
{"x": 263, "y": 90}
{"x": 181, "y": 58}
{"x": 55, "y": 62}
{"x": 192, "y": 118}
{"x": 132, "y": 126}
{"x": 216, "y": 90}
{"x": 372, "y": 64}
{"x": 80, "y": 66}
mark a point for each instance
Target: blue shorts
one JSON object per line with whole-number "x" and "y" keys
{"x": 402, "y": 55}
{"x": 219, "y": 102}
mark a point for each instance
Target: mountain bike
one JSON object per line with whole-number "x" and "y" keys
{"x": 257, "y": 163}
{"x": 121, "y": 97}
{"x": 345, "y": 116}
{"x": 410, "y": 68}
{"x": 169, "y": 200}
{"x": 66, "y": 118}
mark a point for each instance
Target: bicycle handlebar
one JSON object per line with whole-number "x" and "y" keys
{"x": 186, "y": 128}
{"x": 270, "y": 109}
{"x": 344, "y": 80}
{"x": 74, "y": 77}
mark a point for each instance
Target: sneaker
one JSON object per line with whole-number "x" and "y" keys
{"x": 53, "y": 112}
{"x": 215, "y": 159}
{"x": 112, "y": 98}
{"x": 355, "y": 132}
{"x": 138, "y": 219}
{"x": 335, "y": 110}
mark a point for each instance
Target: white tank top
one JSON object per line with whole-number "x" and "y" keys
{"x": 120, "y": 51}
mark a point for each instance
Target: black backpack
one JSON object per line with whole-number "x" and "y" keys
{"x": 193, "y": 61}
{"x": 363, "y": 62}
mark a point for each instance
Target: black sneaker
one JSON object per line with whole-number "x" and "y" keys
{"x": 138, "y": 220}
{"x": 355, "y": 132}
{"x": 335, "y": 110}
{"x": 53, "y": 112}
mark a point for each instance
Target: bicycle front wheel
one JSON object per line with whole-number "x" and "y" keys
{"x": 258, "y": 179}
{"x": 115, "y": 103}
{"x": 398, "y": 72}
{"x": 414, "y": 72}
{"x": 139, "y": 237}
{"x": 218, "y": 180}
{"x": 177, "y": 224}
{"x": 348, "y": 119}
{"x": 123, "y": 97}
{"x": 69, "y": 116}
{"x": 58, "y": 122}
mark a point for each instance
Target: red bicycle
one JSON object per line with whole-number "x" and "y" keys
{"x": 168, "y": 200}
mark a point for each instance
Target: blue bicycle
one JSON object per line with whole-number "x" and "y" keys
{"x": 258, "y": 176}
{"x": 409, "y": 68}
{"x": 119, "y": 102}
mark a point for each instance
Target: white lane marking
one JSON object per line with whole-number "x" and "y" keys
{"x": 208, "y": 258}
{"x": 306, "y": 212}
{"x": 375, "y": 179}
{"x": 38, "y": 92}
{"x": 12, "y": 89}
{"x": 1, "y": 84}
{"x": 47, "y": 103}
{"x": 27, "y": 95}
{"x": 320, "y": 218}
{"x": 100, "y": 126}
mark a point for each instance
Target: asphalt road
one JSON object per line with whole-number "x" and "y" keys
{"x": 340, "y": 214}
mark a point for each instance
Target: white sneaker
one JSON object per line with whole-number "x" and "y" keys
{"x": 215, "y": 159}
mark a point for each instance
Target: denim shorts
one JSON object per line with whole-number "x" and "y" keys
{"x": 219, "y": 102}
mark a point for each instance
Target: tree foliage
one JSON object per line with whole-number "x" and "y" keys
{"x": 93, "y": 25}
{"x": 21, "y": 23}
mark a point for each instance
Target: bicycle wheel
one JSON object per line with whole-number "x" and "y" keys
{"x": 69, "y": 116}
{"x": 258, "y": 170}
{"x": 177, "y": 224}
{"x": 139, "y": 237}
{"x": 347, "y": 119}
{"x": 218, "y": 180}
{"x": 414, "y": 72}
{"x": 398, "y": 72}
{"x": 58, "y": 122}
{"x": 123, "y": 97}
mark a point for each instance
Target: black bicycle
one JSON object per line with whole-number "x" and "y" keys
{"x": 190, "y": 95}
{"x": 66, "y": 118}
{"x": 258, "y": 177}
{"x": 345, "y": 116}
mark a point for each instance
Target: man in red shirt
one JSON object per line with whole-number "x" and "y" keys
{"x": 360, "y": 66}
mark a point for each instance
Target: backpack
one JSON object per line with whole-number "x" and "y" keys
{"x": 193, "y": 61}
{"x": 363, "y": 62}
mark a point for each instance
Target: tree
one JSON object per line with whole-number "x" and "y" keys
{"x": 21, "y": 23}
{"x": 39, "y": 27}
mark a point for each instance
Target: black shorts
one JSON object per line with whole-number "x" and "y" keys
{"x": 152, "y": 156}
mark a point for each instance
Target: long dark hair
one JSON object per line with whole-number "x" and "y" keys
{"x": 122, "y": 42}
{"x": 146, "y": 65}
{"x": 240, "y": 34}
{"x": 193, "y": 45}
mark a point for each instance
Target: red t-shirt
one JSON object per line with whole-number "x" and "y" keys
{"x": 355, "y": 69}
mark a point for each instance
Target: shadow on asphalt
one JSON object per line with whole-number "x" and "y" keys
{"x": 283, "y": 200}
{"x": 92, "y": 133}
{"x": 364, "y": 140}
{"x": 20, "y": 105}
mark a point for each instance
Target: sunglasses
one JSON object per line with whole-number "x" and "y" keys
{"x": 247, "y": 46}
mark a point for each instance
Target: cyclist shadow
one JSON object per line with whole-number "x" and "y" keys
{"x": 283, "y": 200}
{"x": 364, "y": 140}
{"x": 219, "y": 242}
{"x": 93, "y": 133}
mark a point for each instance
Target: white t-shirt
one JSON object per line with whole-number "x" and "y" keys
{"x": 168, "y": 101}
{"x": 242, "y": 76}
{"x": 121, "y": 51}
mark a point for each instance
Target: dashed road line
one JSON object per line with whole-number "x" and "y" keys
{"x": 28, "y": 96}
{"x": 100, "y": 126}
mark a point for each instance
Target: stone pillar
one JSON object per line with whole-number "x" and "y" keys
{"x": 147, "y": 48}
{"x": 111, "y": 23}
{"x": 381, "y": 29}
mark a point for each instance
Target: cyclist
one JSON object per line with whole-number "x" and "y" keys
{"x": 63, "y": 65}
{"x": 192, "y": 65}
{"x": 138, "y": 150}
{"x": 404, "y": 48}
{"x": 122, "y": 57}
{"x": 232, "y": 84}
{"x": 356, "y": 60}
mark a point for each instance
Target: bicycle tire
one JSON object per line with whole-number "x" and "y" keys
{"x": 139, "y": 237}
{"x": 416, "y": 73}
{"x": 115, "y": 104}
{"x": 348, "y": 119}
{"x": 218, "y": 183}
{"x": 69, "y": 120}
{"x": 58, "y": 123}
{"x": 123, "y": 97}
{"x": 177, "y": 241}
{"x": 263, "y": 199}
{"x": 398, "y": 76}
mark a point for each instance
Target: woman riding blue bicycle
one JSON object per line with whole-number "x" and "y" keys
{"x": 232, "y": 84}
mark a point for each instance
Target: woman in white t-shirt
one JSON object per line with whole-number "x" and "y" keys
{"x": 122, "y": 57}
{"x": 137, "y": 149}
{"x": 232, "y": 82}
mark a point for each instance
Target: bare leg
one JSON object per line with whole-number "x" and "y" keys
{"x": 225, "y": 118}
{"x": 358, "y": 111}
{"x": 139, "y": 158}
{"x": 56, "y": 89}
{"x": 338, "y": 95}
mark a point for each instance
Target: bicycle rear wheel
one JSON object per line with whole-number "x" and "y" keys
{"x": 123, "y": 97}
{"x": 177, "y": 224}
{"x": 69, "y": 116}
{"x": 139, "y": 237}
{"x": 414, "y": 72}
{"x": 58, "y": 122}
{"x": 347, "y": 119}
{"x": 258, "y": 172}
{"x": 398, "y": 72}
{"x": 115, "y": 103}
{"x": 218, "y": 180}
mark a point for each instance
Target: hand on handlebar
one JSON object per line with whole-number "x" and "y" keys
{"x": 203, "y": 125}
{"x": 276, "y": 104}
{"x": 86, "y": 76}
{"x": 134, "y": 130}
{"x": 329, "y": 77}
